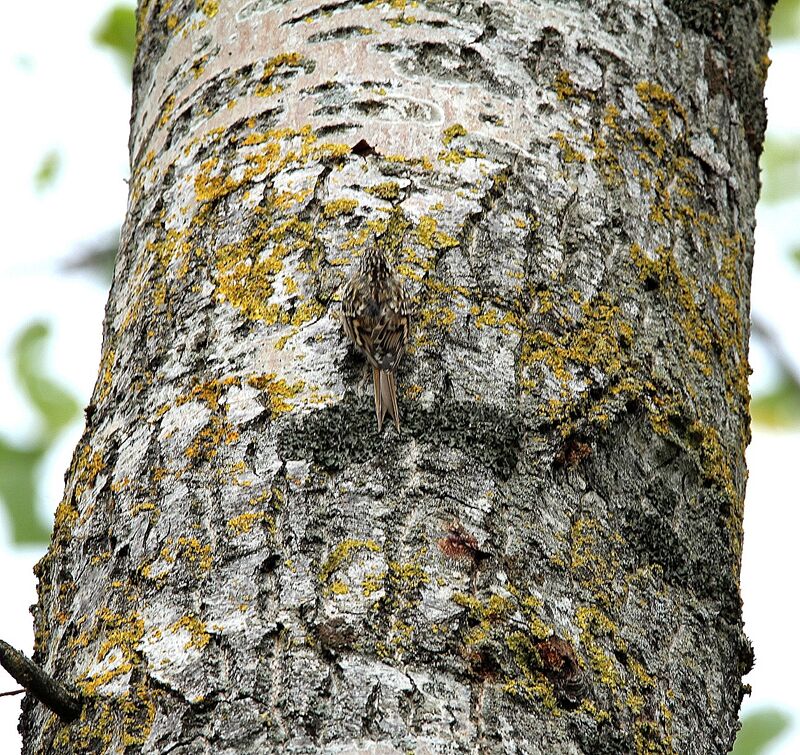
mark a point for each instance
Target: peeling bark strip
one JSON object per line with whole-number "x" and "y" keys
{"x": 546, "y": 559}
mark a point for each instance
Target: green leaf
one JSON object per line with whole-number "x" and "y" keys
{"x": 48, "y": 170}
{"x": 20, "y": 464}
{"x": 759, "y": 729}
{"x": 19, "y": 470}
{"x": 117, "y": 32}
{"x": 780, "y": 168}
{"x": 56, "y": 406}
{"x": 779, "y": 407}
{"x": 785, "y": 21}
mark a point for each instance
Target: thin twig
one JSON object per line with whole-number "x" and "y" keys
{"x": 64, "y": 702}
{"x": 13, "y": 692}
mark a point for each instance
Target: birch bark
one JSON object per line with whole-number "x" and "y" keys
{"x": 546, "y": 558}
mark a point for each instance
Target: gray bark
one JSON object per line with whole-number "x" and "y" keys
{"x": 546, "y": 558}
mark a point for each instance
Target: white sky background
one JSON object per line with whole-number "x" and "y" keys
{"x": 69, "y": 95}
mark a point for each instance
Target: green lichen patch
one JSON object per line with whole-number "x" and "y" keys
{"x": 594, "y": 565}
{"x": 342, "y": 555}
{"x": 344, "y": 434}
{"x": 597, "y": 349}
{"x": 505, "y": 638}
{"x": 126, "y": 719}
{"x": 392, "y": 619}
{"x": 614, "y": 672}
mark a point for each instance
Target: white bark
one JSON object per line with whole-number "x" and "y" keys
{"x": 546, "y": 559}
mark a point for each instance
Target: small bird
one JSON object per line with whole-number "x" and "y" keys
{"x": 375, "y": 312}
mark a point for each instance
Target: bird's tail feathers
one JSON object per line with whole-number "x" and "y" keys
{"x": 385, "y": 396}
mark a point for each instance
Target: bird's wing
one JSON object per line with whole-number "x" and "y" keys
{"x": 390, "y": 339}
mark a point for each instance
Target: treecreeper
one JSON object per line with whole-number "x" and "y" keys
{"x": 376, "y": 310}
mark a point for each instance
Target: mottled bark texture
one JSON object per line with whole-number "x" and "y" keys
{"x": 546, "y": 558}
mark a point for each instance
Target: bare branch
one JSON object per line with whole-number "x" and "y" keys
{"x": 64, "y": 702}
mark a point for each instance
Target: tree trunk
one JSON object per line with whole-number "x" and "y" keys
{"x": 545, "y": 559}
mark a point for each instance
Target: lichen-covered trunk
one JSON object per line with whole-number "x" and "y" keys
{"x": 545, "y": 558}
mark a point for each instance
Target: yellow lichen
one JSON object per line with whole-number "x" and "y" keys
{"x": 389, "y": 191}
{"x": 458, "y": 156}
{"x": 195, "y": 627}
{"x": 342, "y": 553}
{"x": 372, "y": 583}
{"x": 284, "y": 60}
{"x": 429, "y": 236}
{"x": 594, "y": 624}
{"x": 244, "y": 523}
{"x": 452, "y": 132}
{"x": 166, "y": 111}
{"x": 279, "y": 391}
{"x": 568, "y": 153}
{"x": 601, "y": 340}
{"x": 339, "y": 207}
{"x": 208, "y": 8}
{"x": 138, "y": 713}
{"x": 564, "y": 86}
{"x": 211, "y": 438}
{"x": 192, "y": 550}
